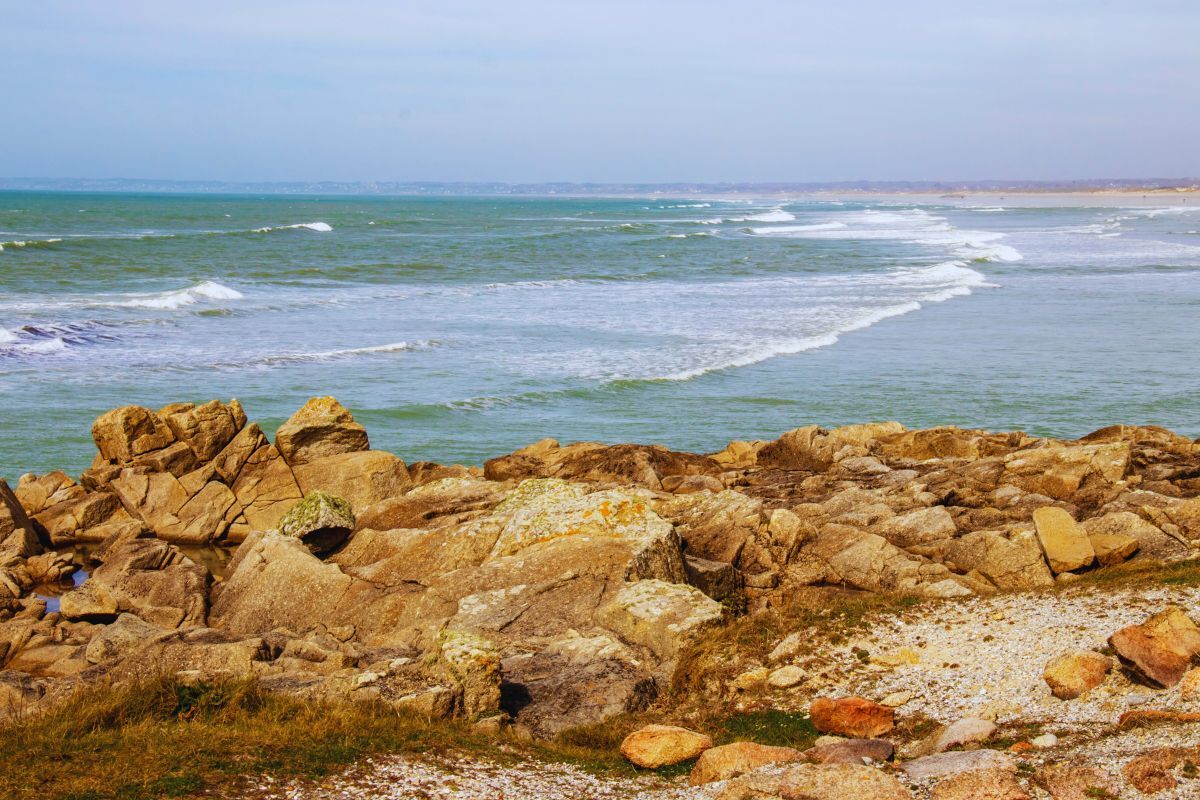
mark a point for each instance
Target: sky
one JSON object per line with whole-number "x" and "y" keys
{"x": 611, "y": 91}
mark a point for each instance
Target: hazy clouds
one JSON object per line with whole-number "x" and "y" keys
{"x": 603, "y": 91}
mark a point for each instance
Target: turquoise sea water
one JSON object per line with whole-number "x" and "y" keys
{"x": 458, "y": 329}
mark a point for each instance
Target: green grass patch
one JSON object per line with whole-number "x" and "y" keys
{"x": 769, "y": 726}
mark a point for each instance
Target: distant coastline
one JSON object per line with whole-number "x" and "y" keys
{"x": 1161, "y": 187}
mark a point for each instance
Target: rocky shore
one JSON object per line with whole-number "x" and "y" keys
{"x": 955, "y": 613}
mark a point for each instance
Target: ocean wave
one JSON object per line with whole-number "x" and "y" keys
{"x": 914, "y": 226}
{"x": 319, "y": 227}
{"x": 282, "y": 359}
{"x": 774, "y": 215}
{"x": 54, "y": 337}
{"x": 1168, "y": 211}
{"x": 29, "y": 243}
{"x": 205, "y": 290}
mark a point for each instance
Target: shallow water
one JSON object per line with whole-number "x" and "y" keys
{"x": 458, "y": 329}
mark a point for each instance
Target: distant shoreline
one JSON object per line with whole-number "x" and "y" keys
{"x": 1067, "y": 192}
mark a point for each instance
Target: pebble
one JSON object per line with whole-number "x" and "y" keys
{"x": 1045, "y": 741}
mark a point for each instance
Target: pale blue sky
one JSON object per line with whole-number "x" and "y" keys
{"x": 600, "y": 91}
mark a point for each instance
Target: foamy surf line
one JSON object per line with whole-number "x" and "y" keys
{"x": 938, "y": 284}
{"x": 284, "y": 359}
{"x": 29, "y": 243}
{"x": 913, "y": 226}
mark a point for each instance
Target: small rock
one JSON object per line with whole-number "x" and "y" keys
{"x": 786, "y": 677}
{"x": 660, "y": 745}
{"x": 896, "y": 699}
{"x": 897, "y": 658}
{"x": 320, "y": 520}
{"x": 1153, "y": 771}
{"x": 965, "y": 731}
{"x": 1045, "y": 741}
{"x": 751, "y": 679}
{"x": 790, "y": 647}
{"x": 1189, "y": 685}
{"x": 1112, "y": 548}
{"x": 851, "y": 716}
{"x": 818, "y": 782}
{"x": 1073, "y": 674}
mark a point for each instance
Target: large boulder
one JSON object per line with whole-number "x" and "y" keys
{"x": 361, "y": 478}
{"x": 130, "y": 431}
{"x": 731, "y": 760}
{"x": 624, "y": 464}
{"x": 205, "y": 429}
{"x": 611, "y": 514}
{"x": 817, "y": 782}
{"x": 445, "y": 501}
{"x": 1065, "y": 544}
{"x": 655, "y": 746}
{"x": 851, "y": 716}
{"x": 274, "y": 581}
{"x": 1013, "y": 563}
{"x": 146, "y": 577}
{"x": 663, "y": 617}
{"x": 1062, "y": 472}
{"x": 923, "y": 526}
{"x": 1073, "y": 674}
{"x": 1161, "y": 648}
{"x": 265, "y": 490}
{"x": 867, "y": 561}
{"x": 322, "y": 427}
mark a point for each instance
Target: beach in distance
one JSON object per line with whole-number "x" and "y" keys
{"x": 459, "y": 327}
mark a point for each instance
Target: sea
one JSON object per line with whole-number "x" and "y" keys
{"x": 460, "y": 328}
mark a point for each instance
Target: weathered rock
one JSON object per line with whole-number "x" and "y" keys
{"x": 601, "y": 515}
{"x": 206, "y": 653}
{"x": 1161, "y": 648}
{"x": 204, "y": 429}
{"x": 146, "y": 577}
{"x": 1121, "y": 525}
{"x": 851, "y": 751}
{"x": 265, "y": 490}
{"x": 920, "y": 527}
{"x": 660, "y": 616}
{"x": 130, "y": 431}
{"x": 965, "y": 731}
{"x": 446, "y": 501}
{"x": 817, "y": 782}
{"x": 1061, "y": 471}
{"x": 866, "y": 561}
{"x": 1112, "y": 548}
{"x": 1010, "y": 563}
{"x": 941, "y": 765}
{"x": 274, "y": 581}
{"x": 731, "y": 760}
{"x": 639, "y": 465}
{"x": 655, "y": 746}
{"x": 320, "y": 520}
{"x": 1065, "y": 544}
{"x": 851, "y": 716}
{"x": 985, "y": 784}
{"x": 716, "y": 579}
{"x": 124, "y": 636}
{"x": 554, "y": 690}
{"x": 474, "y": 664}
{"x": 1076, "y": 673}
{"x": 1075, "y": 781}
{"x": 1153, "y": 771}
{"x": 322, "y": 427}
{"x": 786, "y": 677}
{"x": 361, "y": 478}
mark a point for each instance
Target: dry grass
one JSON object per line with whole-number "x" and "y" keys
{"x": 166, "y": 739}
{"x": 828, "y": 617}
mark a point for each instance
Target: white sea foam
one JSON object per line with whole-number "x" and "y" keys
{"x": 28, "y": 243}
{"x": 328, "y": 355}
{"x": 915, "y": 226}
{"x": 7, "y": 336}
{"x": 774, "y": 215}
{"x": 319, "y": 227}
{"x": 205, "y": 290}
{"x": 1168, "y": 211}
